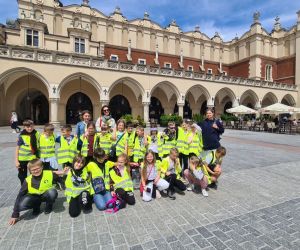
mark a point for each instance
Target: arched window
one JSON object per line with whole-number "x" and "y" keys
{"x": 139, "y": 36}
{"x": 110, "y": 32}
{"x": 125, "y": 37}
{"x": 94, "y": 31}
{"x": 166, "y": 41}
{"x": 236, "y": 53}
{"x": 268, "y": 76}
{"x": 57, "y": 30}
{"x": 177, "y": 46}
{"x": 152, "y": 42}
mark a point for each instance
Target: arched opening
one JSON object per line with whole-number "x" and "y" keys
{"x": 227, "y": 105}
{"x": 78, "y": 92}
{"x": 249, "y": 99}
{"x": 119, "y": 106}
{"x": 187, "y": 111}
{"x": 75, "y": 105}
{"x": 269, "y": 99}
{"x": 288, "y": 100}
{"x": 203, "y": 108}
{"x": 26, "y": 92}
{"x": 155, "y": 109}
{"x": 33, "y": 105}
{"x": 223, "y": 100}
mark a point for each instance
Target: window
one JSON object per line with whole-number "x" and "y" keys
{"x": 114, "y": 58}
{"x": 268, "y": 73}
{"x": 190, "y": 68}
{"x": 168, "y": 65}
{"x": 32, "y": 38}
{"x": 224, "y": 73}
{"x": 79, "y": 45}
{"x": 142, "y": 61}
{"x": 209, "y": 71}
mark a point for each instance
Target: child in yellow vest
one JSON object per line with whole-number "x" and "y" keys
{"x": 141, "y": 142}
{"x": 37, "y": 188}
{"x": 131, "y": 134}
{"x": 27, "y": 148}
{"x": 213, "y": 162}
{"x": 195, "y": 175}
{"x": 105, "y": 138}
{"x": 120, "y": 181}
{"x": 99, "y": 169}
{"x": 68, "y": 146}
{"x": 79, "y": 191}
{"x": 170, "y": 171}
{"x": 89, "y": 141}
{"x": 47, "y": 148}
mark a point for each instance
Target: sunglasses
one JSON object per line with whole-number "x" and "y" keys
{"x": 106, "y": 110}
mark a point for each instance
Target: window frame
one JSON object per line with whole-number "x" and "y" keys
{"x": 34, "y": 37}
{"x": 113, "y": 55}
{"x": 209, "y": 71}
{"x": 168, "y": 67}
{"x": 142, "y": 60}
{"x": 190, "y": 66}
{"x": 268, "y": 72}
{"x": 80, "y": 41}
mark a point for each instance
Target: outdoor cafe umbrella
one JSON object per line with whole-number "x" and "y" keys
{"x": 279, "y": 108}
{"x": 241, "y": 110}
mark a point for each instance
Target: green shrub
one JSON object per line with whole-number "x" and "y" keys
{"x": 198, "y": 118}
{"x": 229, "y": 117}
{"x": 137, "y": 121}
{"x": 164, "y": 119}
{"x": 127, "y": 117}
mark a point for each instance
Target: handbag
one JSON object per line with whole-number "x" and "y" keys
{"x": 113, "y": 149}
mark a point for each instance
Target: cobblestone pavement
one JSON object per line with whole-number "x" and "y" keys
{"x": 257, "y": 206}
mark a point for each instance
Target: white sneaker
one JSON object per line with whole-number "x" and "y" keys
{"x": 158, "y": 195}
{"x": 14, "y": 132}
{"x": 204, "y": 192}
{"x": 190, "y": 187}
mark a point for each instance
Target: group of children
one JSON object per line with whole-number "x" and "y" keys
{"x": 98, "y": 166}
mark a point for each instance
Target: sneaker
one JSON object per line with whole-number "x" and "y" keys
{"x": 213, "y": 185}
{"x": 184, "y": 180}
{"x": 158, "y": 195}
{"x": 36, "y": 211}
{"x": 190, "y": 187}
{"x": 172, "y": 195}
{"x": 164, "y": 193}
{"x": 48, "y": 208}
{"x": 204, "y": 193}
{"x": 14, "y": 132}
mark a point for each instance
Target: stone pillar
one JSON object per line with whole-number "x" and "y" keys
{"x": 236, "y": 102}
{"x": 54, "y": 111}
{"x": 180, "y": 109}
{"x": 146, "y": 112}
{"x": 211, "y": 102}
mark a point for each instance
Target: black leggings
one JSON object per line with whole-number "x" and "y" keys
{"x": 128, "y": 197}
{"x": 174, "y": 182}
{"x": 22, "y": 171}
{"x": 83, "y": 201}
{"x": 34, "y": 201}
{"x": 184, "y": 162}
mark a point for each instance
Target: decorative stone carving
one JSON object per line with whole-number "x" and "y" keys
{"x": 256, "y": 17}
{"x": 62, "y": 59}
{"x": 4, "y": 52}
{"x": 40, "y": 2}
{"x": 44, "y": 57}
{"x": 80, "y": 61}
{"x": 23, "y": 54}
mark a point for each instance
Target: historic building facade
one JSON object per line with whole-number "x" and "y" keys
{"x": 56, "y": 60}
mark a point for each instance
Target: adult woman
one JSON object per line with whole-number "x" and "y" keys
{"x": 14, "y": 122}
{"x": 105, "y": 118}
{"x": 211, "y": 130}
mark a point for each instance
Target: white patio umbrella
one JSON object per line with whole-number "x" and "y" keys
{"x": 279, "y": 108}
{"x": 241, "y": 110}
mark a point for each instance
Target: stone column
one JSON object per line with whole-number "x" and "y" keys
{"x": 146, "y": 112}
{"x": 54, "y": 111}
{"x": 236, "y": 102}
{"x": 180, "y": 109}
{"x": 211, "y": 102}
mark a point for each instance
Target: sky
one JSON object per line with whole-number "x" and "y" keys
{"x": 228, "y": 17}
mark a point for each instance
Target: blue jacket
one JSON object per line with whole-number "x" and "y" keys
{"x": 210, "y": 135}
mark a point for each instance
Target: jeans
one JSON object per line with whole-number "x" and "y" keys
{"x": 101, "y": 200}
{"x": 34, "y": 201}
